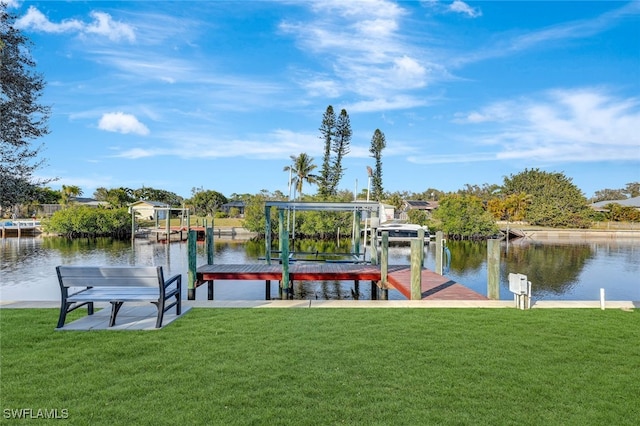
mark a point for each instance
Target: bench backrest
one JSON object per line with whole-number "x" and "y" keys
{"x": 110, "y": 276}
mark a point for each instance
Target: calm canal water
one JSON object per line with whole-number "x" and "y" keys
{"x": 557, "y": 271}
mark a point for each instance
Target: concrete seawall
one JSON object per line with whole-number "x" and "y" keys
{"x": 579, "y": 235}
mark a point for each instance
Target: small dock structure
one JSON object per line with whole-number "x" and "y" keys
{"x": 19, "y": 228}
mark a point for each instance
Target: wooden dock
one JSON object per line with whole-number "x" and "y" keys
{"x": 434, "y": 286}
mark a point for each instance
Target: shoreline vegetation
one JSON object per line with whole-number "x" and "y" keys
{"x": 621, "y": 231}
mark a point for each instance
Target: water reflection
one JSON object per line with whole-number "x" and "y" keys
{"x": 554, "y": 269}
{"x": 467, "y": 255}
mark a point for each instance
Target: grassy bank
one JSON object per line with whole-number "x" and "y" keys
{"x": 288, "y": 366}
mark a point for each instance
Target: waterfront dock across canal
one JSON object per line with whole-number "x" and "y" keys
{"x": 19, "y": 228}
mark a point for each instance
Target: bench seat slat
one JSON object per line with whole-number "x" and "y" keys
{"x": 109, "y": 271}
{"x": 110, "y": 282}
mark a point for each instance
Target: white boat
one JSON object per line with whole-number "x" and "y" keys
{"x": 402, "y": 232}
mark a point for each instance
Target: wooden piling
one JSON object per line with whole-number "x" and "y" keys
{"x": 374, "y": 238}
{"x": 416, "y": 269}
{"x": 280, "y": 229}
{"x": 133, "y": 225}
{"x": 493, "y": 269}
{"x": 168, "y": 224}
{"x": 284, "y": 258}
{"x": 384, "y": 265}
{"x": 191, "y": 281}
{"x": 210, "y": 246}
{"x": 439, "y": 269}
{"x": 384, "y": 259}
{"x": 356, "y": 235}
{"x": 421, "y": 238}
{"x": 267, "y": 234}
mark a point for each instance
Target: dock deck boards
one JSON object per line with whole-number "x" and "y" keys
{"x": 434, "y": 286}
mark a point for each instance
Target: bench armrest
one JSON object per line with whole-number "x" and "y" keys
{"x": 177, "y": 277}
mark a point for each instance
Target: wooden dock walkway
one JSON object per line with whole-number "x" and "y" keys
{"x": 434, "y": 286}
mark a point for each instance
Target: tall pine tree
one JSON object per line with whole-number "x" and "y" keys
{"x": 378, "y": 143}
{"x": 327, "y": 130}
{"x": 340, "y": 147}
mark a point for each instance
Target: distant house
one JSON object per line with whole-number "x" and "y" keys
{"x": 387, "y": 213}
{"x": 627, "y": 202}
{"x": 49, "y": 209}
{"x": 239, "y": 205}
{"x": 426, "y": 206}
{"x": 149, "y": 210}
{"x": 90, "y": 202}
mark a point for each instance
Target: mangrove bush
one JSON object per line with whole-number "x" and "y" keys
{"x": 84, "y": 221}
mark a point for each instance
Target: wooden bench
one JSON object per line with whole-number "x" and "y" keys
{"x": 116, "y": 285}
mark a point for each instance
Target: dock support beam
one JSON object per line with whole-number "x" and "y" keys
{"x": 417, "y": 253}
{"x": 493, "y": 269}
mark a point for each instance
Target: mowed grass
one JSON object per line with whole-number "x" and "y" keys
{"x": 331, "y": 366}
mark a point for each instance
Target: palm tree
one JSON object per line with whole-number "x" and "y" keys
{"x": 301, "y": 170}
{"x": 68, "y": 192}
{"x": 516, "y": 205}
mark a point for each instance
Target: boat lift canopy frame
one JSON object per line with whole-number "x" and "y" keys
{"x": 357, "y": 207}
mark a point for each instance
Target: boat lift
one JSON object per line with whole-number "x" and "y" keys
{"x": 357, "y": 207}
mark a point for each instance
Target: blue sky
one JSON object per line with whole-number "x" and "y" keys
{"x": 219, "y": 95}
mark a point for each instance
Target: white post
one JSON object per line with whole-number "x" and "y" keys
{"x": 602, "y": 299}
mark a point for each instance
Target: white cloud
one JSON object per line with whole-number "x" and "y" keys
{"x": 365, "y": 52}
{"x": 274, "y": 145}
{"x": 579, "y": 125}
{"x": 122, "y": 123}
{"x": 467, "y": 157}
{"x": 102, "y": 25}
{"x": 323, "y": 87}
{"x": 386, "y": 104}
{"x": 459, "y": 6}
{"x": 552, "y": 35}
{"x": 409, "y": 72}
{"x": 11, "y": 3}
{"x": 35, "y": 20}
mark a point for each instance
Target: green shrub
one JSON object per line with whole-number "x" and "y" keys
{"x": 84, "y": 221}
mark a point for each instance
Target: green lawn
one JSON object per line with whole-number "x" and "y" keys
{"x": 331, "y": 366}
